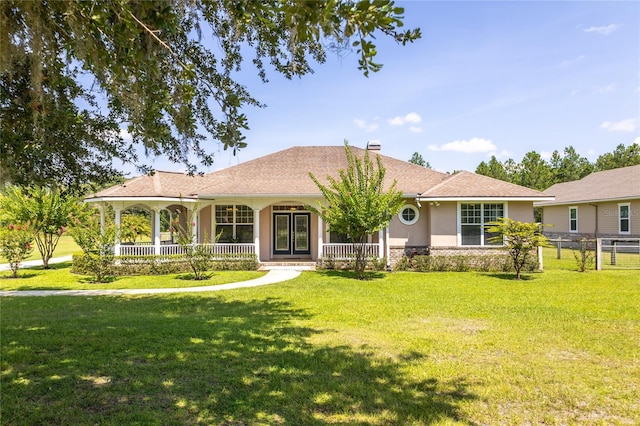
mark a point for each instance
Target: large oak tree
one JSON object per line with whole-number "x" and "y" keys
{"x": 168, "y": 68}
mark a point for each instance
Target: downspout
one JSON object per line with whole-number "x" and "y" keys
{"x": 596, "y": 206}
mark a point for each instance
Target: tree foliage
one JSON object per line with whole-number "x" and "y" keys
{"x": 358, "y": 204}
{"x": 168, "y": 68}
{"x": 97, "y": 241}
{"x": 15, "y": 245}
{"x": 134, "y": 226}
{"x": 534, "y": 172}
{"x": 621, "y": 157}
{"x": 417, "y": 159}
{"x": 50, "y": 213}
{"x": 47, "y": 138}
{"x": 521, "y": 239}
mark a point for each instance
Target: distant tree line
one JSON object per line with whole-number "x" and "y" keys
{"x": 537, "y": 173}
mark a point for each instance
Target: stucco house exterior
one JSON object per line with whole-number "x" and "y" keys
{"x": 260, "y": 207}
{"x": 603, "y": 204}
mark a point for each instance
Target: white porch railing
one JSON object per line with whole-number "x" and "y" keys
{"x": 340, "y": 251}
{"x": 217, "y": 250}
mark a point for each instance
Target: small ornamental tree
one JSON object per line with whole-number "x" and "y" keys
{"x": 97, "y": 243}
{"x": 134, "y": 226}
{"x": 15, "y": 245}
{"x": 521, "y": 239}
{"x": 358, "y": 204}
{"x": 197, "y": 256}
{"x": 49, "y": 212}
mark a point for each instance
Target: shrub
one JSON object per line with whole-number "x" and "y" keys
{"x": 163, "y": 265}
{"x": 461, "y": 263}
{"x": 16, "y": 243}
{"x": 404, "y": 264}
{"x": 584, "y": 254}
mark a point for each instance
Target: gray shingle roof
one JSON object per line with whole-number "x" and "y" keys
{"x": 287, "y": 173}
{"x": 615, "y": 184}
{"x": 470, "y": 185}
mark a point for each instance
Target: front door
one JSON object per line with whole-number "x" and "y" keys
{"x": 291, "y": 233}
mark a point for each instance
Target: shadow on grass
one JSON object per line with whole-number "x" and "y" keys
{"x": 191, "y": 277}
{"x": 194, "y": 360}
{"x": 511, "y": 276}
{"x": 341, "y": 273}
{"x": 61, "y": 265}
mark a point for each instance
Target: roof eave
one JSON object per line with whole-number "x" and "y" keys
{"x": 189, "y": 199}
{"x": 594, "y": 200}
{"x": 506, "y": 198}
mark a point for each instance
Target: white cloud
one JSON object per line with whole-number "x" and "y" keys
{"x": 361, "y": 124}
{"x": 570, "y": 62}
{"x": 628, "y": 125}
{"x": 412, "y": 117}
{"x": 545, "y": 155}
{"x": 604, "y": 30}
{"x": 637, "y": 140}
{"x": 470, "y": 146}
{"x": 604, "y": 89}
{"x": 415, "y": 129}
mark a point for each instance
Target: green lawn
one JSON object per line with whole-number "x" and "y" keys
{"x": 560, "y": 347}
{"x": 59, "y": 277}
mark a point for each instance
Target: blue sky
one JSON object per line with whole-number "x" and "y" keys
{"x": 487, "y": 78}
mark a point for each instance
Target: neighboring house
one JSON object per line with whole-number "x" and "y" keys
{"x": 260, "y": 207}
{"x": 603, "y": 204}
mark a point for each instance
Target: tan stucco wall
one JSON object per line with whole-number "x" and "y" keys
{"x": 410, "y": 235}
{"x": 444, "y": 224}
{"x": 265, "y": 234}
{"x": 205, "y": 231}
{"x": 607, "y": 221}
{"x": 521, "y": 211}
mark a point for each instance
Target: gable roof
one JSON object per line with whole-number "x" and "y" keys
{"x": 286, "y": 173}
{"x": 615, "y": 184}
{"x": 467, "y": 185}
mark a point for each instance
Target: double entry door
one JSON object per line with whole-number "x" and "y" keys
{"x": 291, "y": 233}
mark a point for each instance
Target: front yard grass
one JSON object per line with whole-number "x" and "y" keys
{"x": 59, "y": 277}
{"x": 560, "y": 347}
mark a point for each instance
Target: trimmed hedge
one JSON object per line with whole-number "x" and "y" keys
{"x": 163, "y": 265}
{"x": 461, "y": 263}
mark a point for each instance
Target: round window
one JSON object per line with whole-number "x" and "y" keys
{"x": 409, "y": 214}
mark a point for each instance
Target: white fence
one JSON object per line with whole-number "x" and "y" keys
{"x": 217, "y": 250}
{"x": 346, "y": 251}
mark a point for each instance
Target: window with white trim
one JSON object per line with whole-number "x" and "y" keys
{"x": 409, "y": 214}
{"x": 573, "y": 219}
{"x": 234, "y": 223}
{"x": 474, "y": 220}
{"x": 624, "y": 218}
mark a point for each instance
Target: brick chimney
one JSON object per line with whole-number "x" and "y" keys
{"x": 373, "y": 146}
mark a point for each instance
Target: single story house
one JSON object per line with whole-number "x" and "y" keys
{"x": 603, "y": 204}
{"x": 260, "y": 207}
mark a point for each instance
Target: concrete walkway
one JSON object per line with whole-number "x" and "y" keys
{"x": 275, "y": 275}
{"x": 32, "y": 263}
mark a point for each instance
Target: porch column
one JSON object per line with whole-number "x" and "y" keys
{"x": 117, "y": 242}
{"x": 101, "y": 208}
{"x": 256, "y": 232}
{"x": 320, "y": 239}
{"x": 156, "y": 231}
{"x": 388, "y": 250}
{"x": 380, "y": 244}
{"x": 194, "y": 226}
